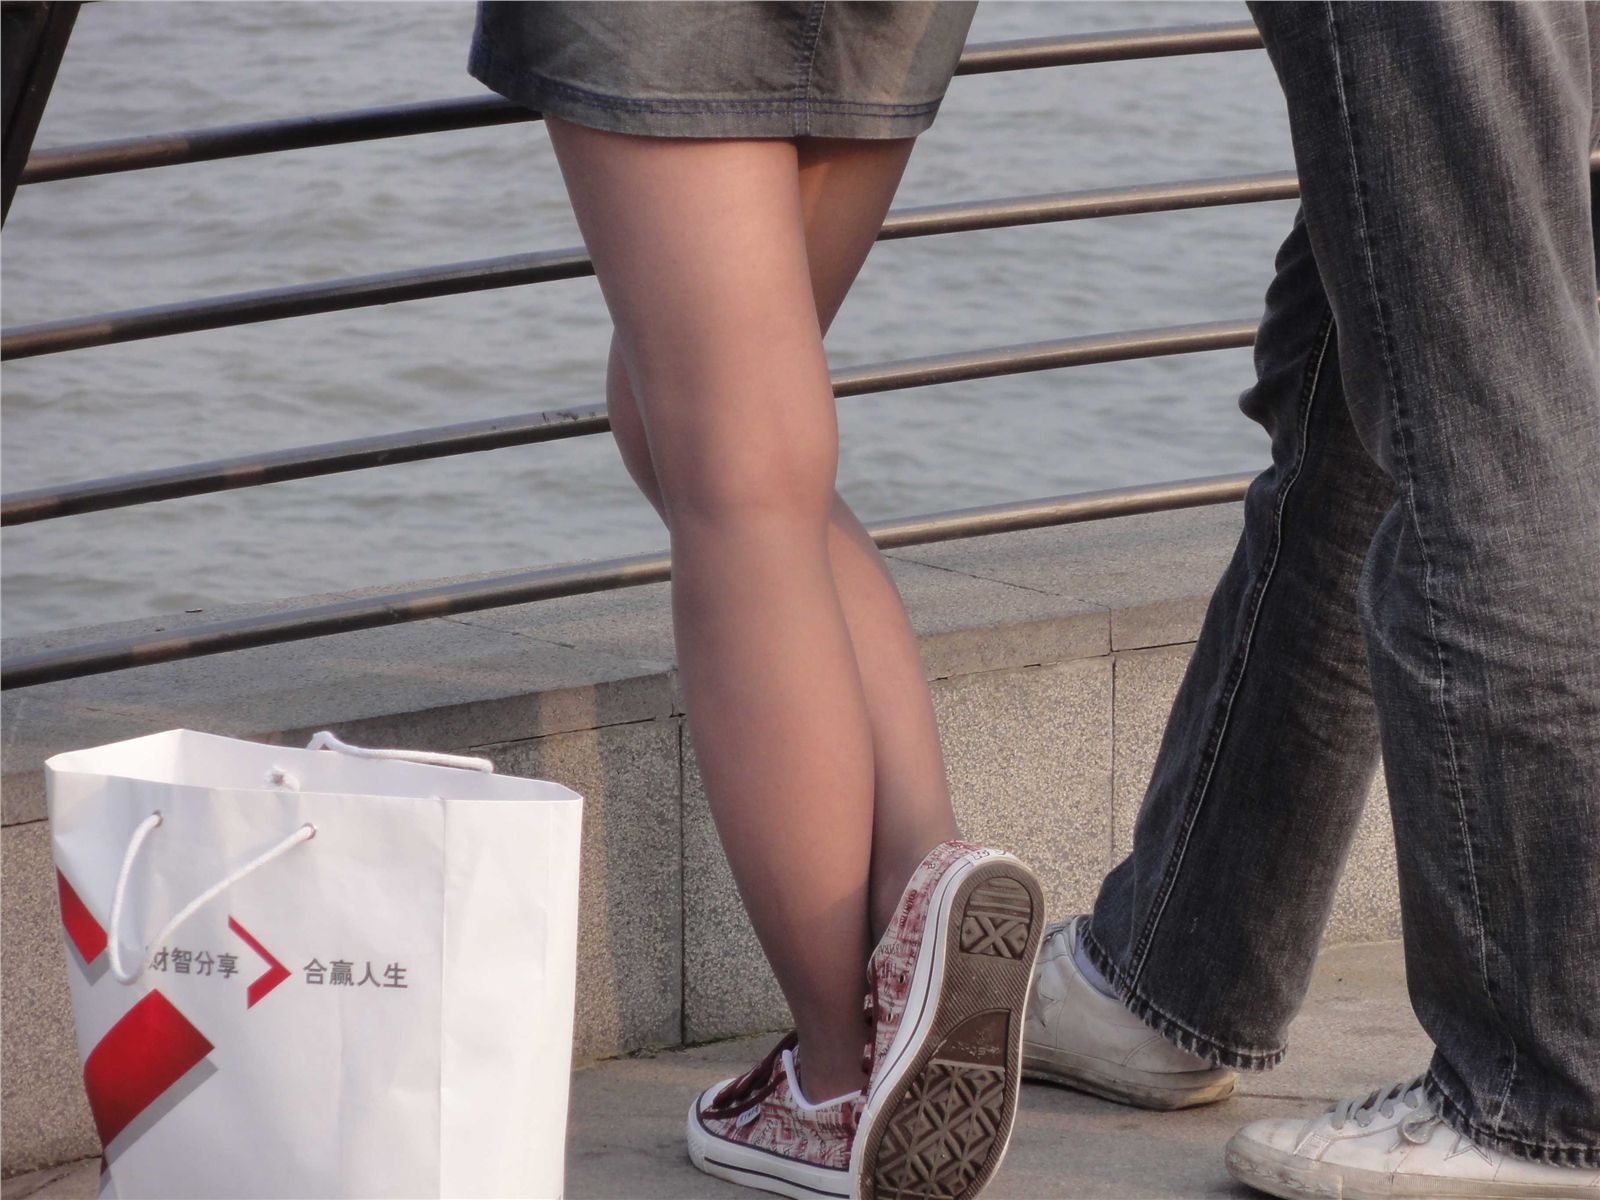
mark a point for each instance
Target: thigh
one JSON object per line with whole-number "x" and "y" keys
{"x": 699, "y": 247}
{"x": 845, "y": 191}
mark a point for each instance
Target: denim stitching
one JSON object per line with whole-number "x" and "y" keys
{"x": 802, "y": 82}
{"x": 1408, "y": 495}
{"x": 1171, "y": 1027}
{"x": 1559, "y": 1153}
{"x": 693, "y": 106}
{"x": 1235, "y": 678}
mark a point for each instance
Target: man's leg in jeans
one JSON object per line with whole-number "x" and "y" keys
{"x": 1444, "y": 161}
{"x": 1209, "y": 929}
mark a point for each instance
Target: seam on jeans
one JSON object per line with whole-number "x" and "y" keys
{"x": 1408, "y": 498}
{"x": 1569, "y": 1154}
{"x": 1173, "y": 1028}
{"x": 802, "y": 86}
{"x": 1235, "y": 678}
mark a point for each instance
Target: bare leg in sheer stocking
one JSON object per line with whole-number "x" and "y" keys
{"x": 722, "y": 263}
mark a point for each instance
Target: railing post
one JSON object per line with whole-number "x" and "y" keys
{"x": 35, "y": 38}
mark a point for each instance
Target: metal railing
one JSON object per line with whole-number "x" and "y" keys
{"x": 521, "y": 587}
{"x": 494, "y": 433}
{"x": 547, "y": 583}
{"x": 471, "y": 112}
{"x": 544, "y": 266}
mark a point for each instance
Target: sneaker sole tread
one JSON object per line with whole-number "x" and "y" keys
{"x": 943, "y": 1131}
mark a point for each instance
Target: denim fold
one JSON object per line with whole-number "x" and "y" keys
{"x": 1419, "y": 571}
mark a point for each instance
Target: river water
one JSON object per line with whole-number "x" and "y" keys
{"x": 149, "y": 237}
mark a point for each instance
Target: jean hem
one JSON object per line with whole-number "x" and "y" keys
{"x": 775, "y": 116}
{"x": 1179, "y": 1032}
{"x": 1456, "y": 1116}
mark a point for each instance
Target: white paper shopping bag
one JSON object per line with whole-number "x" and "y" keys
{"x": 318, "y": 973}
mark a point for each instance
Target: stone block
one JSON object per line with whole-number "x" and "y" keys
{"x": 46, "y": 1115}
{"x": 35, "y": 727}
{"x": 1028, "y": 754}
{"x": 615, "y": 635}
{"x": 1147, "y": 680}
{"x": 1153, "y": 572}
{"x": 728, "y": 988}
{"x": 630, "y": 917}
{"x": 966, "y": 624}
{"x": 1366, "y": 907}
{"x": 445, "y": 681}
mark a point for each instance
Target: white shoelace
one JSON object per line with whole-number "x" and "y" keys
{"x": 1382, "y": 1103}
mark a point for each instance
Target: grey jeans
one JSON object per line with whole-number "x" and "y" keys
{"x": 1419, "y": 569}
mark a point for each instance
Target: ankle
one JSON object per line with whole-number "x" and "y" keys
{"x": 892, "y": 872}
{"x": 1090, "y": 972}
{"x": 818, "y": 1086}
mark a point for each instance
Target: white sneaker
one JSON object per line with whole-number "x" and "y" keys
{"x": 1393, "y": 1143}
{"x": 1078, "y": 1036}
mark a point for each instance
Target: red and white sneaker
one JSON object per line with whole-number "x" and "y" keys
{"x": 761, "y": 1131}
{"x": 949, "y": 989}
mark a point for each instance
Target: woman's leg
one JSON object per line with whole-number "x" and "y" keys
{"x": 845, "y": 189}
{"x": 700, "y": 250}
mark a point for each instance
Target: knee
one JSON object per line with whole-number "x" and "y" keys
{"x": 635, "y": 451}
{"x": 759, "y": 480}
{"x": 627, "y": 430}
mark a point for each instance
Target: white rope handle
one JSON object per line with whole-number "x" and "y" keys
{"x": 304, "y": 834}
{"x": 326, "y": 741}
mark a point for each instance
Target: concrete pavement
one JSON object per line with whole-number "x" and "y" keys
{"x": 1355, "y": 1033}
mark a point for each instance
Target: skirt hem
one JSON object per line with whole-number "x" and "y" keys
{"x": 701, "y": 117}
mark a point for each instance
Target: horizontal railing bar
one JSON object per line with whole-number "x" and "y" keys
{"x": 1044, "y": 356}
{"x": 299, "y": 300}
{"x": 1025, "y": 54}
{"x": 494, "y": 433}
{"x": 116, "y": 155}
{"x": 336, "y": 295}
{"x": 301, "y": 462}
{"x": 1062, "y": 510}
{"x": 545, "y": 583}
{"x": 467, "y": 112}
{"x": 515, "y": 270}
{"x": 1012, "y": 211}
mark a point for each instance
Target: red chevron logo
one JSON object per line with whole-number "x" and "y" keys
{"x": 275, "y": 974}
{"x": 85, "y": 932}
{"x": 141, "y": 1056}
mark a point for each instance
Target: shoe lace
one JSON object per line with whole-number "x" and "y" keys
{"x": 1414, "y": 1128}
{"x": 754, "y": 1086}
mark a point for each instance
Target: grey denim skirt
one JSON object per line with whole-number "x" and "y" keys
{"x": 725, "y": 69}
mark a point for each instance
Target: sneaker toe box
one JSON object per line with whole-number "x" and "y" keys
{"x": 1158, "y": 1054}
{"x": 1282, "y": 1135}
